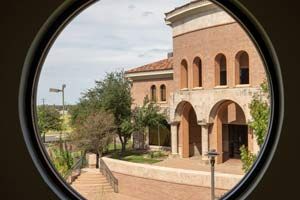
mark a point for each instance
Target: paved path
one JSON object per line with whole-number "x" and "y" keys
{"x": 133, "y": 188}
{"x": 232, "y": 166}
{"x": 93, "y": 186}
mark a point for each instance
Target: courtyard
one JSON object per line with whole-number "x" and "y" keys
{"x": 231, "y": 166}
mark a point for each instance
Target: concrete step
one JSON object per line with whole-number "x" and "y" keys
{"x": 92, "y": 184}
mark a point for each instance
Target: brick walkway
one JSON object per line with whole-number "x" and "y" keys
{"x": 134, "y": 188}
{"x": 232, "y": 166}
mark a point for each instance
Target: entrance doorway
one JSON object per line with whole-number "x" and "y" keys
{"x": 237, "y": 136}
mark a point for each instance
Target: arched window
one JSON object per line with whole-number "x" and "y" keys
{"x": 163, "y": 93}
{"x": 184, "y": 74}
{"x": 221, "y": 70}
{"x": 242, "y": 69}
{"x": 153, "y": 93}
{"x": 197, "y": 72}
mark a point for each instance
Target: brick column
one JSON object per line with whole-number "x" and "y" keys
{"x": 174, "y": 138}
{"x": 204, "y": 135}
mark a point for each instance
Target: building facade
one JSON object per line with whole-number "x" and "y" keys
{"x": 206, "y": 84}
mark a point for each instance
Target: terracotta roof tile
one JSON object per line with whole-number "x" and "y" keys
{"x": 155, "y": 66}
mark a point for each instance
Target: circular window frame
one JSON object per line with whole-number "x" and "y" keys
{"x": 61, "y": 18}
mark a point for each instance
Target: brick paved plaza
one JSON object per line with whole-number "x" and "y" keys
{"x": 232, "y": 166}
{"x": 133, "y": 188}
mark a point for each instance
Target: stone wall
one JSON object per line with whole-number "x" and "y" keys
{"x": 172, "y": 175}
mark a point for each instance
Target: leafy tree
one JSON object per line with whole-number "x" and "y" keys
{"x": 49, "y": 119}
{"x": 148, "y": 115}
{"x": 62, "y": 159}
{"x": 247, "y": 158}
{"x": 95, "y": 133}
{"x": 112, "y": 95}
{"x": 260, "y": 112}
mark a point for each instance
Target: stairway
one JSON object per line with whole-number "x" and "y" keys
{"x": 92, "y": 185}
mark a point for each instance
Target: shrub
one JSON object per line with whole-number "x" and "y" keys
{"x": 247, "y": 158}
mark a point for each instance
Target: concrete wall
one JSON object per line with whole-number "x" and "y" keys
{"x": 180, "y": 176}
{"x": 208, "y": 17}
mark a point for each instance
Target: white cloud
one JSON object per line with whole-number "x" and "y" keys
{"x": 107, "y": 36}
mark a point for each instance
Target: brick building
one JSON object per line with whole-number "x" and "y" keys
{"x": 205, "y": 85}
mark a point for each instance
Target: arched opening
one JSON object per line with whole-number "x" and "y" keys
{"x": 153, "y": 93}
{"x": 220, "y": 70}
{"x": 197, "y": 72}
{"x": 163, "y": 93}
{"x": 184, "y": 74}
{"x": 189, "y": 131}
{"x": 242, "y": 68}
{"x": 229, "y": 130}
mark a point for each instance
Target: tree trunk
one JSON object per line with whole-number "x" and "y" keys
{"x": 124, "y": 145}
{"x": 115, "y": 143}
{"x": 97, "y": 160}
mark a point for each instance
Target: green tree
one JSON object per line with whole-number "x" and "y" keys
{"x": 95, "y": 133}
{"x": 148, "y": 115}
{"x": 61, "y": 158}
{"x": 260, "y": 113}
{"x": 111, "y": 94}
{"x": 49, "y": 119}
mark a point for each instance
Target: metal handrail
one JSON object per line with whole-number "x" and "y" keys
{"x": 77, "y": 166}
{"x": 113, "y": 181}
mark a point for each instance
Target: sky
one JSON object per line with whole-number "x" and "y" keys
{"x": 110, "y": 35}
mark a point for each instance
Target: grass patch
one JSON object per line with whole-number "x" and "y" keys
{"x": 144, "y": 157}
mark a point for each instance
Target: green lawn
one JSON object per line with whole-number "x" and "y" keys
{"x": 144, "y": 157}
{"x": 111, "y": 147}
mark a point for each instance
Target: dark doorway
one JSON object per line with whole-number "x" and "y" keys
{"x": 238, "y": 136}
{"x": 234, "y": 136}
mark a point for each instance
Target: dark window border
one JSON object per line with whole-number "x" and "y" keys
{"x": 50, "y": 31}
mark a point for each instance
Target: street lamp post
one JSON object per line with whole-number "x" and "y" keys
{"x": 212, "y": 154}
{"x": 62, "y": 90}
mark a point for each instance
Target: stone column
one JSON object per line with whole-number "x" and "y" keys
{"x": 174, "y": 138}
{"x": 205, "y": 142}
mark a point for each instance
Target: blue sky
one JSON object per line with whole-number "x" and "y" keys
{"x": 109, "y": 35}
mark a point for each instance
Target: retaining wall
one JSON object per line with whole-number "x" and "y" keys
{"x": 173, "y": 175}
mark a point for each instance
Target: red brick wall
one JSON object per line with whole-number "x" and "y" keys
{"x": 207, "y": 43}
{"x": 142, "y": 88}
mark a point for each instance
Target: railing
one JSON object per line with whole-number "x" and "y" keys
{"x": 109, "y": 176}
{"x": 69, "y": 175}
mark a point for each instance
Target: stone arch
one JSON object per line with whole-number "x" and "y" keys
{"x": 228, "y": 129}
{"x": 215, "y": 107}
{"x": 189, "y": 137}
{"x": 179, "y": 110}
